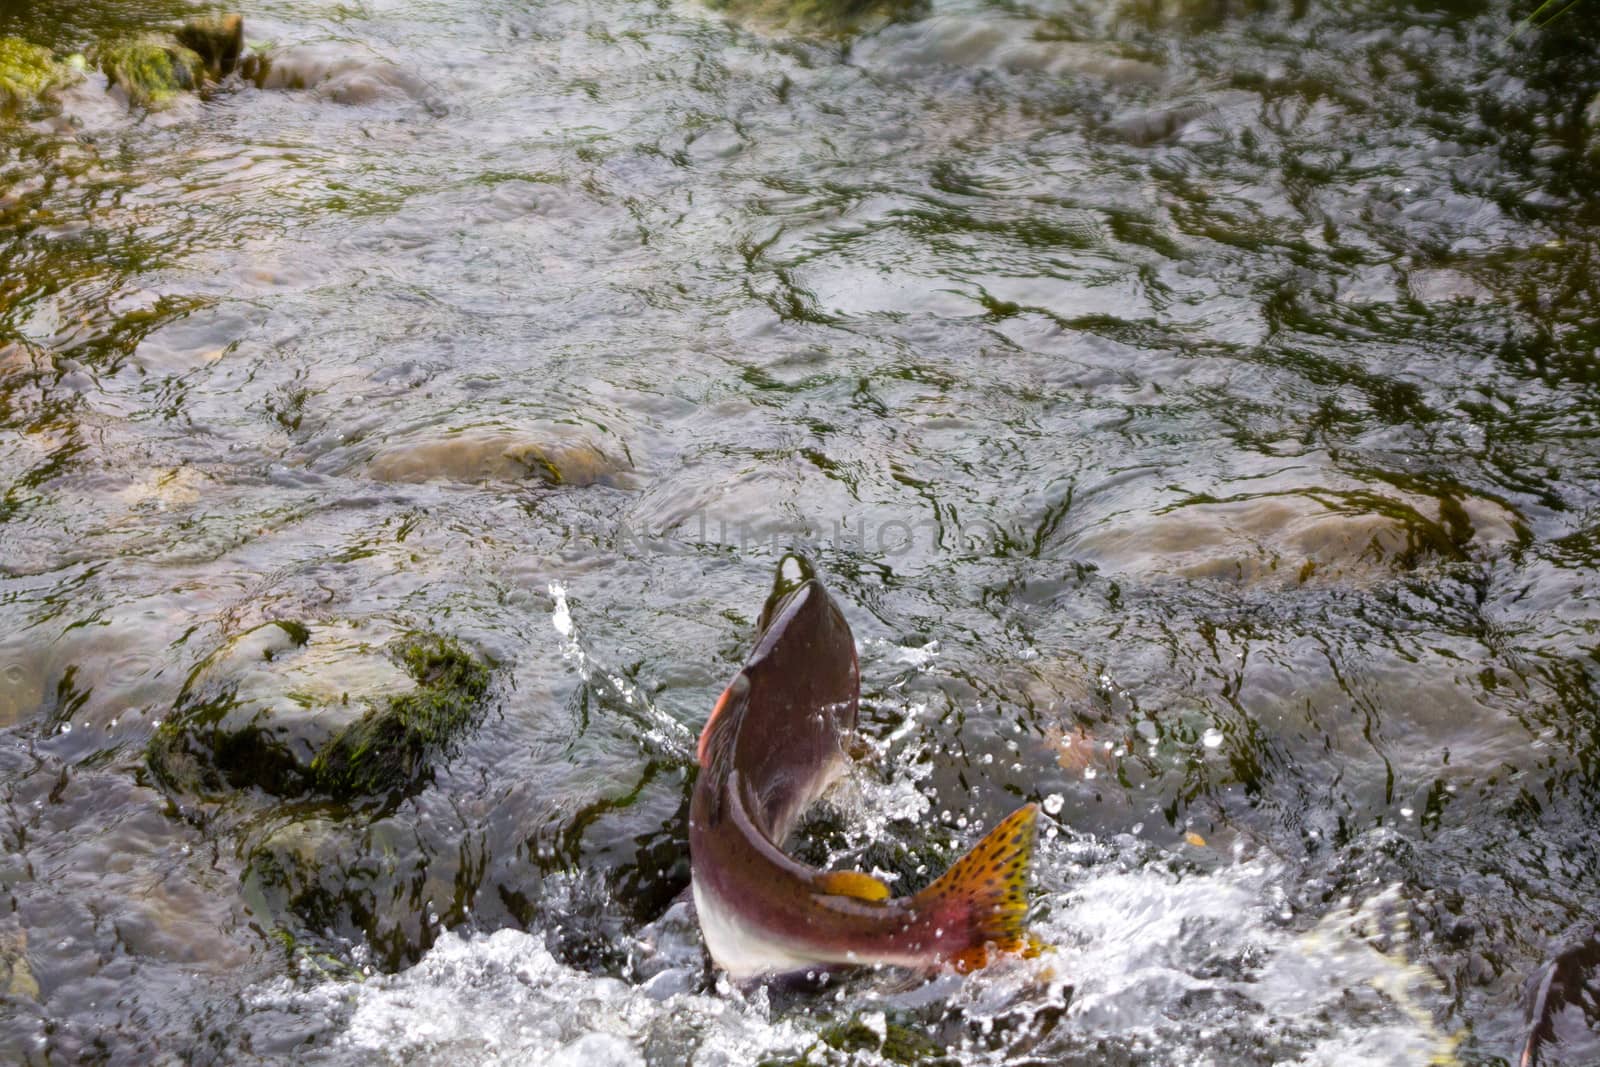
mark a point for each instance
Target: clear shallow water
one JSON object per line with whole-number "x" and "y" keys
{"x": 1192, "y": 411}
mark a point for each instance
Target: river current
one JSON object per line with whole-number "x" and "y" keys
{"x": 1192, "y": 407}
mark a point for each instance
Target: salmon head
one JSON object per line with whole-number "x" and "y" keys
{"x": 785, "y": 721}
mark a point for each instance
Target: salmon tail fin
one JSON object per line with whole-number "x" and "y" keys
{"x": 989, "y": 886}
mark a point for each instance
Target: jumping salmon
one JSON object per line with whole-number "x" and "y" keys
{"x": 774, "y": 742}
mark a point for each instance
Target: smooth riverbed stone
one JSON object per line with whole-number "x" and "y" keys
{"x": 481, "y": 456}
{"x": 1294, "y": 538}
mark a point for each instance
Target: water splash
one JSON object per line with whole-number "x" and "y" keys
{"x": 662, "y": 733}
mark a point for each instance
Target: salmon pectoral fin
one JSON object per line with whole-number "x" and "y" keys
{"x": 722, "y": 726}
{"x": 852, "y": 884}
{"x": 989, "y": 887}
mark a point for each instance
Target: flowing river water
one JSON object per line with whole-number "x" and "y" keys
{"x": 1192, "y": 407}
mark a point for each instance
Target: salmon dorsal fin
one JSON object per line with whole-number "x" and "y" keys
{"x": 852, "y": 884}
{"x": 990, "y": 885}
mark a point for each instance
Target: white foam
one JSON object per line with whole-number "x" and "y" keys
{"x": 1179, "y": 969}
{"x": 502, "y": 998}
{"x": 1188, "y": 961}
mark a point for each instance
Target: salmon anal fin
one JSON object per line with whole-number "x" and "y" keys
{"x": 852, "y": 884}
{"x": 989, "y": 887}
{"x": 972, "y": 959}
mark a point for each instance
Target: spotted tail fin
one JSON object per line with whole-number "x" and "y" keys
{"x": 989, "y": 885}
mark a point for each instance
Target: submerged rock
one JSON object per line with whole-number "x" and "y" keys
{"x": 1297, "y": 537}
{"x": 318, "y": 876}
{"x": 22, "y": 691}
{"x": 16, "y": 976}
{"x": 496, "y": 457}
{"x": 334, "y": 74}
{"x": 152, "y": 70}
{"x": 820, "y": 16}
{"x": 343, "y": 710}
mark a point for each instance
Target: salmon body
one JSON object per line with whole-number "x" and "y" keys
{"x": 775, "y": 741}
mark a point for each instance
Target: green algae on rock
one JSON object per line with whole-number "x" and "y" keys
{"x": 878, "y": 1037}
{"x": 342, "y": 710}
{"x": 27, "y": 71}
{"x": 389, "y": 747}
{"x": 152, "y": 70}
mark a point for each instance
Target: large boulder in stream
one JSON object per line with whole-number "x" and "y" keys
{"x": 151, "y": 70}
{"x": 154, "y": 69}
{"x": 344, "y": 710}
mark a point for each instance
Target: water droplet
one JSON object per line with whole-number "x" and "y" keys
{"x": 1089, "y": 772}
{"x": 1053, "y": 802}
{"x": 1212, "y": 738}
{"x": 1406, "y": 813}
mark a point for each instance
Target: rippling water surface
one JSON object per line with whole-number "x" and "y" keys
{"x": 1193, "y": 407}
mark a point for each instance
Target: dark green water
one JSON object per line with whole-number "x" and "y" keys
{"x": 1193, "y": 408}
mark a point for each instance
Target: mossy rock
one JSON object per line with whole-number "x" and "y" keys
{"x": 152, "y": 70}
{"x": 896, "y": 1043}
{"x": 389, "y": 747}
{"x": 27, "y": 72}
{"x": 342, "y": 710}
{"x": 871, "y": 1039}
